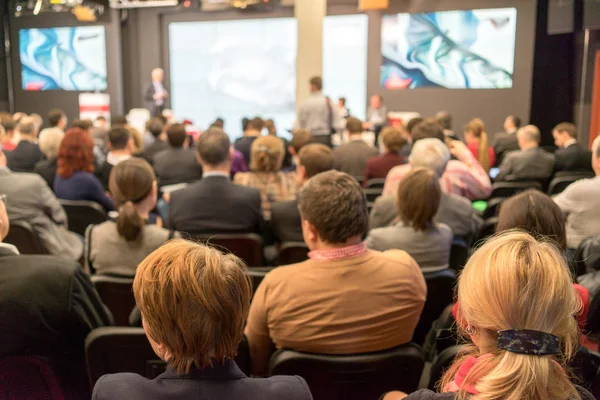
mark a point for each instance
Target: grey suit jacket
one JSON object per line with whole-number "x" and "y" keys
{"x": 533, "y": 163}
{"x": 503, "y": 144}
{"x": 29, "y": 199}
{"x": 174, "y": 166}
{"x": 455, "y": 211}
{"x": 382, "y": 112}
{"x": 352, "y": 157}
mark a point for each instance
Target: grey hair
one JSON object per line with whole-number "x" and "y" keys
{"x": 430, "y": 153}
{"x": 49, "y": 142}
{"x": 530, "y": 133}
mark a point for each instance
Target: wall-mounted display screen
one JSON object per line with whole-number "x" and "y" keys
{"x": 469, "y": 49}
{"x": 70, "y": 58}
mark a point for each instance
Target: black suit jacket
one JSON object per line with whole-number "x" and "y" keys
{"x": 216, "y": 205}
{"x": 47, "y": 170}
{"x": 24, "y": 157}
{"x": 223, "y": 382}
{"x": 504, "y": 143}
{"x": 573, "y": 158}
{"x": 103, "y": 174}
{"x": 177, "y": 165}
{"x": 154, "y": 108}
{"x": 244, "y": 146}
{"x": 286, "y": 222}
{"x": 154, "y": 149}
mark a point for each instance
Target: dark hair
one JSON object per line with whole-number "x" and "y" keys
{"x": 516, "y": 120}
{"x": 353, "y": 125}
{"x": 317, "y": 82}
{"x": 218, "y": 123}
{"x": 119, "y": 120}
{"x": 444, "y": 119}
{"x": 100, "y": 118}
{"x": 84, "y": 124}
{"x": 26, "y": 126}
{"x": 334, "y": 203}
{"x": 534, "y": 212}
{"x": 131, "y": 182}
{"x": 343, "y": 100}
{"x": 75, "y": 153}
{"x": 270, "y": 126}
{"x": 54, "y": 117}
{"x": 176, "y": 134}
{"x": 568, "y": 127}
{"x": 119, "y": 137}
{"x": 412, "y": 123}
{"x": 8, "y": 123}
{"x": 393, "y": 139}
{"x": 316, "y": 158}
{"x": 155, "y": 127}
{"x": 163, "y": 119}
{"x": 245, "y": 123}
{"x": 256, "y": 123}
{"x": 427, "y": 129}
{"x": 301, "y": 138}
{"x": 419, "y": 184}
{"x": 213, "y": 146}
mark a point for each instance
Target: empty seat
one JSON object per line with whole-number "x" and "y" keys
{"x": 353, "y": 377}
{"x": 507, "y": 189}
{"x": 21, "y": 234}
{"x": 116, "y": 294}
{"x": 247, "y": 246}
{"x": 292, "y": 253}
{"x": 28, "y": 378}
{"x": 83, "y": 213}
{"x": 560, "y": 183}
{"x": 377, "y": 183}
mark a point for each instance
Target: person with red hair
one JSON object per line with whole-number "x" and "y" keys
{"x": 75, "y": 178}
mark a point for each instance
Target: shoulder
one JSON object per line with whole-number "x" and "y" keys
{"x": 154, "y": 232}
{"x": 44, "y": 268}
{"x": 27, "y": 178}
{"x": 445, "y": 230}
{"x": 284, "y": 387}
{"x": 118, "y": 386}
{"x": 242, "y": 178}
{"x": 399, "y": 170}
{"x": 284, "y": 273}
{"x": 425, "y": 394}
{"x": 456, "y": 201}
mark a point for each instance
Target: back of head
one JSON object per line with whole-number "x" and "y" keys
{"x": 419, "y": 184}
{"x": 393, "y": 139}
{"x": 354, "y": 126}
{"x": 84, "y": 124}
{"x": 334, "y": 203}
{"x": 535, "y": 293}
{"x": 316, "y": 82}
{"x": 176, "y": 134}
{"x": 316, "y": 158}
{"x": 515, "y": 120}
{"x": 27, "y": 126}
{"x": 444, "y": 119}
{"x": 255, "y": 124}
{"x": 155, "y": 127}
{"x": 266, "y": 154}
{"x": 536, "y": 213}
{"x": 194, "y": 301}
{"x": 270, "y": 127}
{"x": 427, "y": 129}
{"x": 430, "y": 153}
{"x": 130, "y": 183}
{"x": 50, "y": 139}
{"x": 119, "y": 120}
{"x": 75, "y": 153}
{"x": 119, "y": 137}
{"x": 37, "y": 120}
{"x": 529, "y": 134}
{"x": 476, "y": 128}
{"x": 213, "y": 147}
{"x": 54, "y": 117}
{"x": 301, "y": 138}
{"x": 410, "y": 125}
{"x": 7, "y": 123}
{"x": 568, "y": 128}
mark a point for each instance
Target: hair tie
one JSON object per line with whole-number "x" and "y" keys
{"x": 527, "y": 341}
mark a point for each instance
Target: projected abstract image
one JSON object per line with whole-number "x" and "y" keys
{"x": 72, "y": 58}
{"x": 472, "y": 49}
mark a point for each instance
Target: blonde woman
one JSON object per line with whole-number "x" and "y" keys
{"x": 477, "y": 142}
{"x": 266, "y": 157}
{"x": 517, "y": 304}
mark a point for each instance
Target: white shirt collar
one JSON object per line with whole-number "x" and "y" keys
{"x": 214, "y": 173}
{"x": 114, "y": 160}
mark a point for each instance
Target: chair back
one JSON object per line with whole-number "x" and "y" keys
{"x": 247, "y": 246}
{"x": 441, "y": 364}
{"x": 292, "y": 253}
{"x": 560, "y": 183}
{"x": 440, "y": 293}
{"x": 372, "y": 194}
{"x": 459, "y": 254}
{"x": 116, "y": 294}
{"x": 28, "y": 378}
{"x": 21, "y": 234}
{"x": 507, "y": 189}
{"x": 376, "y": 183}
{"x": 488, "y": 228}
{"x": 82, "y": 213}
{"x": 493, "y": 205}
{"x": 353, "y": 377}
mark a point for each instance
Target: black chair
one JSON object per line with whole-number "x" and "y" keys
{"x": 116, "y": 294}
{"x": 82, "y": 213}
{"x": 112, "y": 350}
{"x": 257, "y": 275}
{"x": 247, "y": 246}
{"x": 508, "y": 189}
{"x": 488, "y": 228}
{"x": 21, "y": 234}
{"x": 560, "y": 183}
{"x": 292, "y": 253}
{"x": 587, "y": 255}
{"x": 441, "y": 364}
{"x": 492, "y": 207}
{"x": 353, "y": 377}
{"x": 582, "y": 174}
{"x": 28, "y": 378}
{"x": 376, "y": 183}
{"x": 459, "y": 254}
{"x": 440, "y": 293}
{"x": 372, "y": 194}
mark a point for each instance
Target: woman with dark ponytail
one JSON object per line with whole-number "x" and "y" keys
{"x": 117, "y": 247}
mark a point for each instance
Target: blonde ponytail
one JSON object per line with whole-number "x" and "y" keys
{"x": 477, "y": 129}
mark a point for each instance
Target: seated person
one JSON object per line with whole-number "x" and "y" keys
{"x": 531, "y": 162}
{"x": 121, "y": 147}
{"x": 27, "y": 153}
{"x": 177, "y": 164}
{"x": 197, "y": 340}
{"x": 352, "y": 157}
{"x": 312, "y": 306}
{"x": 47, "y": 307}
{"x": 477, "y": 142}
{"x": 252, "y": 129}
{"x": 505, "y": 142}
{"x": 300, "y": 138}
{"x": 265, "y": 175}
{"x": 10, "y": 140}
{"x": 454, "y": 211}
{"x": 506, "y": 360}
{"x": 75, "y": 178}
{"x": 50, "y": 139}
{"x": 570, "y": 156}
{"x": 285, "y": 216}
{"x": 392, "y": 140}
{"x": 579, "y": 201}
{"x": 215, "y": 204}
{"x": 416, "y": 233}
{"x": 117, "y": 247}
{"x": 158, "y": 130}
{"x": 87, "y": 125}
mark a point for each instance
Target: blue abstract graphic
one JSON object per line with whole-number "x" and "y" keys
{"x": 72, "y": 58}
{"x": 471, "y": 49}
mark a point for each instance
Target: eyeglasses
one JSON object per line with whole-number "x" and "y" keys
{"x": 3, "y": 198}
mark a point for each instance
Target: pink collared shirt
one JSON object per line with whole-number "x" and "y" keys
{"x": 338, "y": 254}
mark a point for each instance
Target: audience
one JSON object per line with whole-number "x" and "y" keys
{"x": 579, "y": 202}
{"x": 117, "y": 247}
{"x": 477, "y": 142}
{"x": 426, "y": 241}
{"x": 27, "y": 153}
{"x": 286, "y": 221}
{"x": 50, "y": 139}
{"x": 454, "y": 211}
{"x": 316, "y": 114}
{"x": 392, "y": 140}
{"x": 158, "y": 130}
{"x": 120, "y": 144}
{"x": 87, "y": 125}
{"x": 10, "y": 137}
{"x": 531, "y": 162}
{"x": 463, "y": 176}
{"x": 352, "y": 157}
{"x": 265, "y": 175}
{"x": 505, "y": 142}
{"x": 75, "y": 178}
{"x": 300, "y": 138}
{"x": 252, "y": 130}
{"x": 177, "y": 164}
{"x": 313, "y": 306}
{"x": 570, "y": 156}
{"x": 215, "y": 204}
{"x": 444, "y": 118}
{"x": 194, "y": 317}
{"x": 508, "y": 361}
{"x": 57, "y": 119}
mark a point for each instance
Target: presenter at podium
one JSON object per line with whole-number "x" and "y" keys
{"x": 156, "y": 94}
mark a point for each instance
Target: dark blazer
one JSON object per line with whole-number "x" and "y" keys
{"x": 223, "y": 382}
{"x": 352, "y": 157}
{"x": 535, "y": 163}
{"x": 47, "y": 170}
{"x": 286, "y": 222}
{"x": 154, "y": 108}
{"x": 177, "y": 165}
{"x": 503, "y": 143}
{"x": 24, "y": 157}
{"x": 378, "y": 167}
{"x": 215, "y": 205}
{"x": 573, "y": 158}
{"x": 103, "y": 174}
{"x": 244, "y": 145}
{"x": 82, "y": 186}
{"x": 153, "y": 149}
